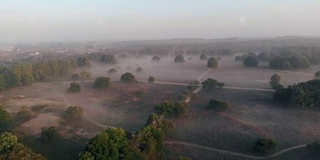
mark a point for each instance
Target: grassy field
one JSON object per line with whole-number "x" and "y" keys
{"x": 252, "y": 116}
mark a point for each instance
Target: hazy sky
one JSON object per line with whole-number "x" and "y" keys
{"x": 37, "y": 20}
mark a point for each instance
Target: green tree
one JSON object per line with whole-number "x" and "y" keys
{"x": 49, "y": 134}
{"x": 108, "y": 59}
{"x": 264, "y": 146}
{"x": 275, "y": 82}
{"x": 251, "y": 61}
{"x": 102, "y": 82}
{"x": 74, "y": 87}
{"x": 151, "y": 79}
{"x": 5, "y": 117}
{"x": 212, "y": 62}
{"x": 111, "y": 144}
{"x": 179, "y": 59}
{"x": 317, "y": 75}
{"x": 314, "y": 147}
{"x": 10, "y": 149}
{"x": 128, "y": 78}
{"x": 155, "y": 59}
{"x": 112, "y": 71}
{"x": 73, "y": 112}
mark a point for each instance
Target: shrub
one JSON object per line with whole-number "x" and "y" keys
{"x": 179, "y": 59}
{"x": 73, "y": 112}
{"x": 74, "y": 87}
{"x": 112, "y": 71}
{"x": 151, "y": 79}
{"x": 5, "y": 117}
{"x": 155, "y": 59}
{"x": 211, "y": 83}
{"x": 139, "y": 70}
{"x": 49, "y": 134}
{"x": 264, "y": 146}
{"x": 218, "y": 105}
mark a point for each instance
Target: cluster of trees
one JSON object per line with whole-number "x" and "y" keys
{"x": 25, "y": 74}
{"x": 218, "y": 105}
{"x": 250, "y": 61}
{"x": 11, "y": 149}
{"x": 275, "y": 82}
{"x": 305, "y": 94}
{"x": 212, "y": 62}
{"x": 264, "y": 146}
{"x": 170, "y": 108}
{"x": 117, "y": 144}
{"x": 83, "y": 62}
{"x": 108, "y": 59}
{"x": 293, "y": 62}
{"x": 211, "y": 83}
{"x": 263, "y": 56}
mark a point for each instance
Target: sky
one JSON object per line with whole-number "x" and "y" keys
{"x": 80, "y": 20}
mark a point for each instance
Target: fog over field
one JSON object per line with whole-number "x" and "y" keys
{"x": 160, "y": 80}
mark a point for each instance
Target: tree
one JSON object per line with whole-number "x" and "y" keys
{"x": 151, "y": 79}
{"x": 139, "y": 70}
{"x": 155, "y": 59}
{"x": 83, "y": 62}
{"x": 74, "y": 87}
{"x": 179, "y": 59}
{"x": 128, "y": 78}
{"x": 279, "y": 63}
{"x": 218, "y": 105}
{"x": 251, "y": 61}
{"x": 264, "y": 146}
{"x": 211, "y": 83}
{"x": 49, "y": 134}
{"x": 112, "y": 71}
{"x": 169, "y": 108}
{"x": 317, "y": 75}
{"x": 73, "y": 112}
{"x": 108, "y": 59}
{"x": 84, "y": 75}
{"x": 101, "y": 82}
{"x": 5, "y": 117}
{"x": 203, "y": 57}
{"x": 314, "y": 147}
{"x": 75, "y": 76}
{"x": 111, "y": 144}
{"x": 275, "y": 82}
{"x": 212, "y": 62}
{"x": 10, "y": 149}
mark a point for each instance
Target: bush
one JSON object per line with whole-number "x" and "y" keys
{"x": 264, "y": 146}
{"x": 5, "y": 117}
{"x": 49, "y": 134}
{"x": 73, "y": 112}
{"x": 101, "y": 82}
{"x": 169, "y": 108}
{"x": 218, "y": 105}
{"x": 251, "y": 61}
{"x": 179, "y": 59}
{"x": 128, "y": 78}
{"x": 151, "y": 79}
{"x": 74, "y": 87}
{"x": 24, "y": 114}
{"x": 211, "y": 83}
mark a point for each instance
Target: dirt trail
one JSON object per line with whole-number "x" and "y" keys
{"x": 233, "y": 153}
